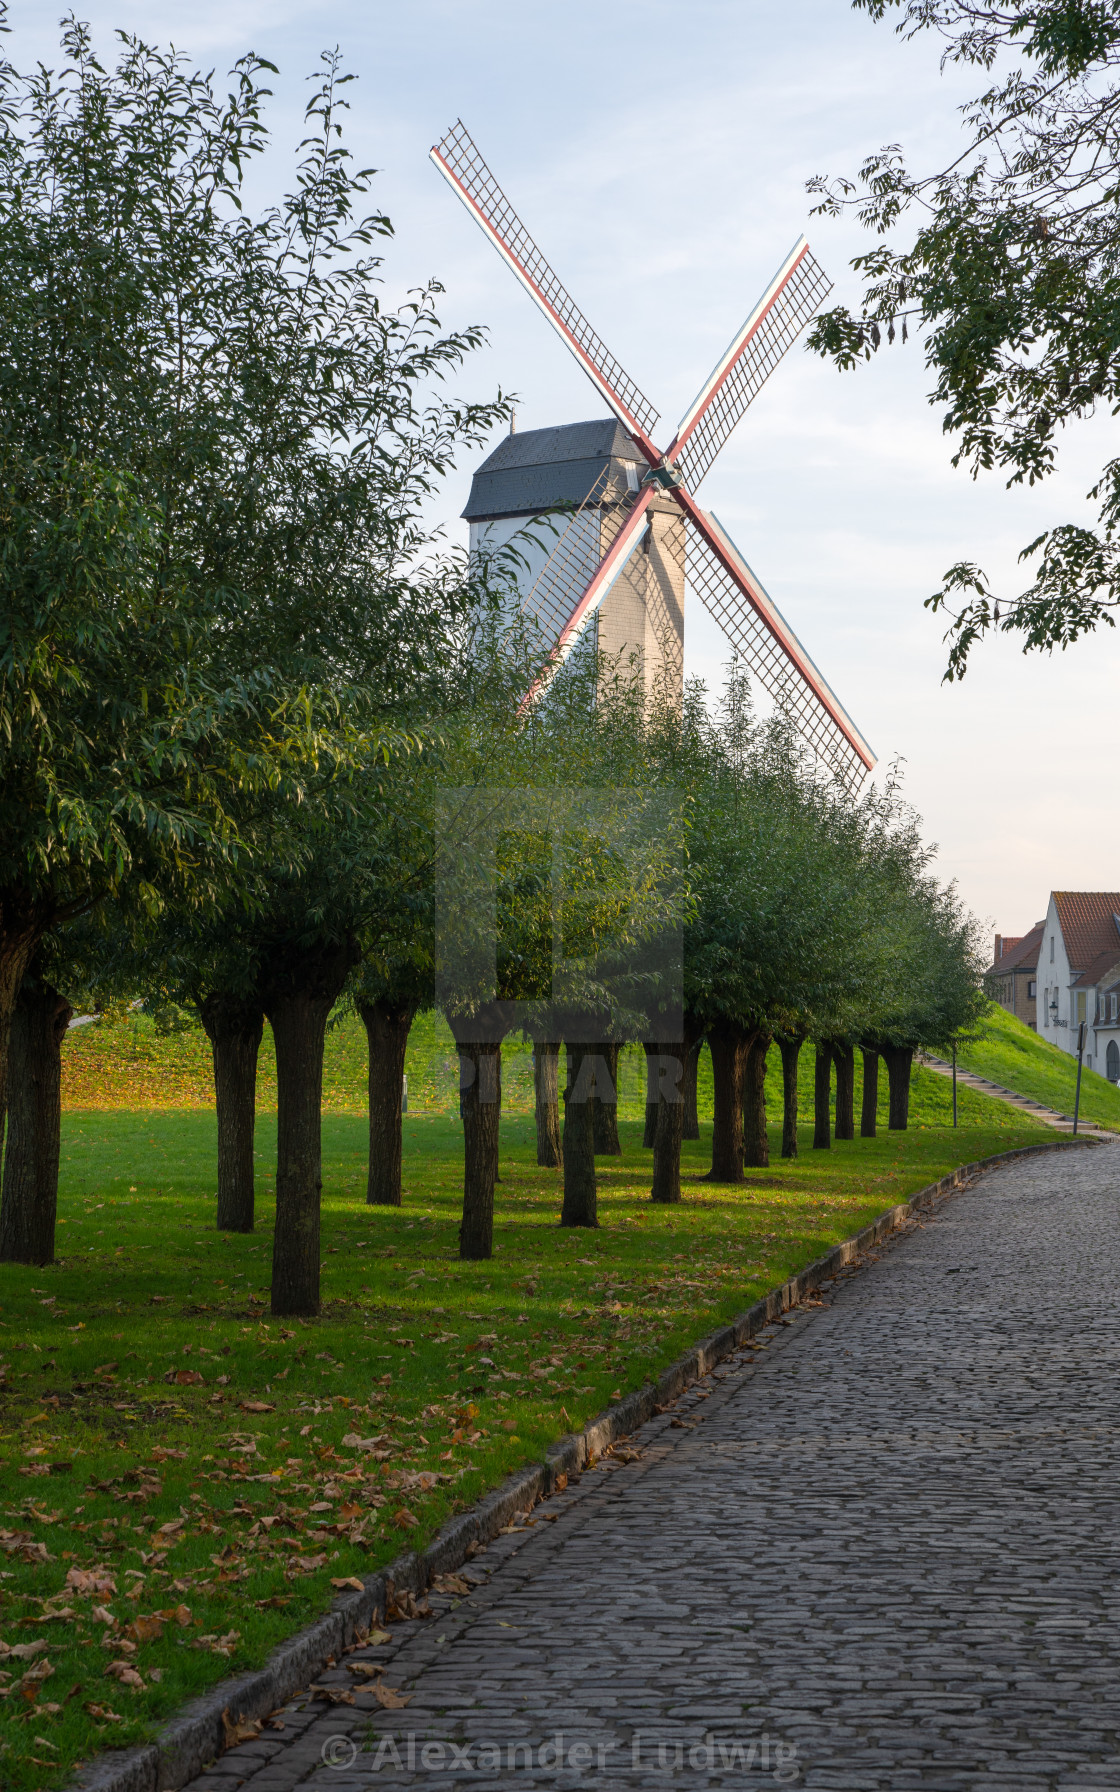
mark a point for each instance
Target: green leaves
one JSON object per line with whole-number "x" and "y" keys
{"x": 1012, "y": 277}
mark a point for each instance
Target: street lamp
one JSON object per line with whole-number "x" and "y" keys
{"x": 1054, "y": 1009}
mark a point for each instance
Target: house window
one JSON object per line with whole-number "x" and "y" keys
{"x": 1112, "y": 1061}
{"x": 1032, "y": 991}
{"x": 1081, "y": 1004}
{"x": 1113, "y": 1005}
{"x": 1051, "y": 948}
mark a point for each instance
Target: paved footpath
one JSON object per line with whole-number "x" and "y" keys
{"x": 882, "y": 1551}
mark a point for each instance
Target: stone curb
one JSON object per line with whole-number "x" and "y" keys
{"x": 194, "y": 1737}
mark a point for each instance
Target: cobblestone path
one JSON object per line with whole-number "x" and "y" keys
{"x": 881, "y": 1551}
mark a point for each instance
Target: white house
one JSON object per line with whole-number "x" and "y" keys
{"x": 1078, "y": 976}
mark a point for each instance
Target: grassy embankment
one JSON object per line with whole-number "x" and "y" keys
{"x": 1012, "y": 1055}
{"x": 179, "y": 1491}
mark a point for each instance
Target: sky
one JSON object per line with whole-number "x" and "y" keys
{"x": 659, "y": 153}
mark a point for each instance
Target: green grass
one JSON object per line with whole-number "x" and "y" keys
{"x": 176, "y": 1494}
{"x": 1013, "y": 1055}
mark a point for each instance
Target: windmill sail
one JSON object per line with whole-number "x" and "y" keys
{"x": 793, "y": 296}
{"x": 461, "y": 164}
{"x": 772, "y": 653}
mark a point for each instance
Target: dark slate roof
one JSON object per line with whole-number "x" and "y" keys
{"x": 530, "y": 472}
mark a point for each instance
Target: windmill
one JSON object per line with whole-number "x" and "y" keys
{"x": 641, "y": 499}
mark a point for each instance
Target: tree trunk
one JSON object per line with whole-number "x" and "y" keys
{"x": 791, "y": 1051}
{"x": 822, "y": 1089}
{"x": 756, "y": 1144}
{"x": 671, "y": 1063}
{"x": 387, "y": 1027}
{"x": 546, "y": 1085}
{"x": 729, "y": 1046}
{"x": 480, "y": 1104}
{"x": 478, "y": 1037}
{"x": 870, "y": 1107}
{"x": 234, "y": 1027}
{"x": 22, "y": 925}
{"x": 844, "y": 1057}
{"x": 30, "y": 1191}
{"x": 580, "y": 1196}
{"x": 691, "y": 1074}
{"x": 899, "y": 1059}
{"x": 604, "y": 1105}
{"x": 299, "y": 991}
{"x": 653, "y": 1052}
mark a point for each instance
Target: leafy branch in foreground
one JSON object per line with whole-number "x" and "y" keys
{"x": 1012, "y": 282}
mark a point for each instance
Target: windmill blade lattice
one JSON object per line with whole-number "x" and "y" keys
{"x": 555, "y": 592}
{"x": 759, "y": 633}
{"x": 458, "y": 157}
{"x": 768, "y": 333}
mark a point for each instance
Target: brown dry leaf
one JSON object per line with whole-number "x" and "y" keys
{"x": 126, "y": 1674}
{"x": 306, "y": 1564}
{"x": 405, "y": 1520}
{"x": 350, "y": 1510}
{"x": 560, "y": 1483}
{"x": 28, "y": 1687}
{"x": 255, "y": 1406}
{"x": 348, "y": 1580}
{"x": 145, "y": 1629}
{"x": 450, "y": 1583}
{"x": 334, "y": 1695}
{"x": 402, "y": 1605}
{"x": 92, "y": 1583}
{"x": 23, "y": 1651}
{"x": 106, "y": 1368}
{"x": 392, "y": 1701}
{"x": 102, "y": 1714}
{"x": 239, "y": 1729}
{"x": 175, "y": 1614}
{"x": 183, "y": 1378}
{"x": 365, "y": 1670}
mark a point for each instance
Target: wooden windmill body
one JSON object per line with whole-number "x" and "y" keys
{"x": 629, "y": 537}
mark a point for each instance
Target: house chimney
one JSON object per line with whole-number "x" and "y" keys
{"x": 999, "y": 947}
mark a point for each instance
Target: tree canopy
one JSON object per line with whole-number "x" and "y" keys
{"x": 1010, "y": 277}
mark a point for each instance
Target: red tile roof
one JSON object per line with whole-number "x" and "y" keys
{"x": 1090, "y": 923}
{"x": 1101, "y": 969}
{"x": 1023, "y": 956}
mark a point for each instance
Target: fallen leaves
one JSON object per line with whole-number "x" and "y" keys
{"x": 254, "y": 1405}
{"x": 401, "y": 1604}
{"x": 183, "y": 1378}
{"x": 348, "y": 1580}
{"x": 405, "y": 1520}
{"x": 126, "y": 1674}
{"x": 390, "y": 1699}
{"x": 23, "y": 1547}
{"x": 451, "y": 1583}
{"x": 23, "y": 1651}
{"x": 101, "y": 1714}
{"x": 145, "y": 1629}
{"x": 333, "y": 1695}
{"x": 298, "y": 1565}
{"x": 238, "y": 1729}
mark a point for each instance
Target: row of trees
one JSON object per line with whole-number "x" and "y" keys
{"x": 263, "y": 748}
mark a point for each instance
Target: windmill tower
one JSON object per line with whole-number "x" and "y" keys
{"x": 636, "y": 536}
{"x": 594, "y": 470}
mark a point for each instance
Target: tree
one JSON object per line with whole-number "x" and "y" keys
{"x": 1010, "y": 280}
